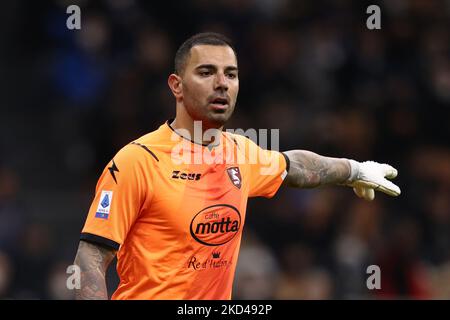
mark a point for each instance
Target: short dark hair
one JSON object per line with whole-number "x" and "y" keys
{"x": 204, "y": 38}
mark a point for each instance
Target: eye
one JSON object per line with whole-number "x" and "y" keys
{"x": 205, "y": 73}
{"x": 232, "y": 75}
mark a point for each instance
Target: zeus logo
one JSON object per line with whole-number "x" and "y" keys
{"x": 185, "y": 176}
{"x": 112, "y": 170}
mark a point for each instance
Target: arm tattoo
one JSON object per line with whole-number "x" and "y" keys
{"x": 308, "y": 169}
{"x": 93, "y": 261}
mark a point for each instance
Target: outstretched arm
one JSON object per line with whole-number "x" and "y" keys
{"x": 93, "y": 261}
{"x": 308, "y": 170}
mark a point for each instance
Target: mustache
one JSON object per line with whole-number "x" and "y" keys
{"x": 219, "y": 96}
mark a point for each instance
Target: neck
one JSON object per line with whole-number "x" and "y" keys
{"x": 199, "y": 131}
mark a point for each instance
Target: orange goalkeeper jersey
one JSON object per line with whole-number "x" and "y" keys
{"x": 175, "y": 211}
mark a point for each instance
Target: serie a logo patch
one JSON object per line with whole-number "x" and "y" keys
{"x": 104, "y": 205}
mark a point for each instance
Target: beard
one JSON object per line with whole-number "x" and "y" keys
{"x": 209, "y": 116}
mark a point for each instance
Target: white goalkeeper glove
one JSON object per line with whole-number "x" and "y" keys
{"x": 368, "y": 176}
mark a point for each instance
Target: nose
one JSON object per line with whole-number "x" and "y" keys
{"x": 220, "y": 82}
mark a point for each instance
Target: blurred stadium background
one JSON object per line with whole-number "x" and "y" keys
{"x": 70, "y": 99}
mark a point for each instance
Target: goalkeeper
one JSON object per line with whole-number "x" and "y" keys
{"x": 176, "y": 227}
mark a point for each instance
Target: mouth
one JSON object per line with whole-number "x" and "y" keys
{"x": 219, "y": 103}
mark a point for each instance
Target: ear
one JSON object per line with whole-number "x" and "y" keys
{"x": 174, "y": 82}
